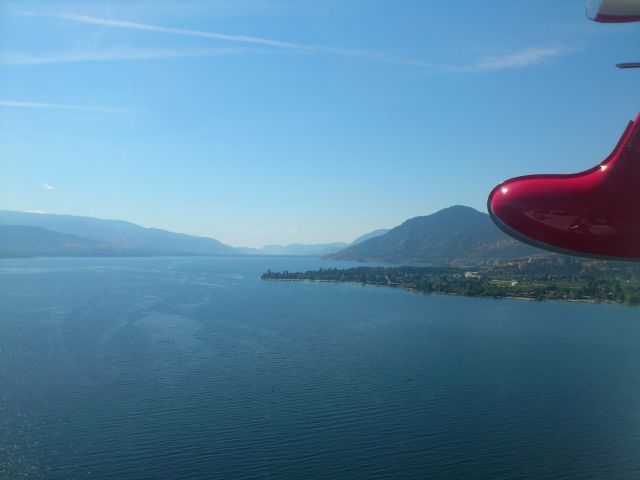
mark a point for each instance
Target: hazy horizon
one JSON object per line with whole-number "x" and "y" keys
{"x": 259, "y": 123}
{"x": 40, "y": 212}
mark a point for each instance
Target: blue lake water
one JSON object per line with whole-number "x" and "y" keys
{"x": 195, "y": 368}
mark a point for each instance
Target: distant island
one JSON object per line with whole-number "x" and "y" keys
{"x": 554, "y": 278}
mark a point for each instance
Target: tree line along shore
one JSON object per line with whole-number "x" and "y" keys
{"x": 558, "y": 278}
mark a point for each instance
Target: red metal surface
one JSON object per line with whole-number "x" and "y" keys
{"x": 593, "y": 213}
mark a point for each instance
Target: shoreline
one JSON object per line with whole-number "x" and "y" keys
{"x": 414, "y": 290}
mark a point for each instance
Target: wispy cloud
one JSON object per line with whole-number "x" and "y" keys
{"x": 256, "y": 41}
{"x": 40, "y": 212}
{"x": 112, "y": 54}
{"x": 520, "y": 59}
{"x": 176, "y": 31}
{"x": 523, "y": 58}
{"x": 62, "y": 106}
{"x": 47, "y": 186}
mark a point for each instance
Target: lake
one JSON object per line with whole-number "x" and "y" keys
{"x": 194, "y": 368}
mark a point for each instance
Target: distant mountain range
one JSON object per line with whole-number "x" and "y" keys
{"x": 68, "y": 235}
{"x": 28, "y": 241}
{"x": 25, "y": 234}
{"x": 458, "y": 235}
{"x": 296, "y": 249}
{"x": 310, "y": 250}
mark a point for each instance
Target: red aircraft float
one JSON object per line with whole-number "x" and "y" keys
{"x": 595, "y": 213}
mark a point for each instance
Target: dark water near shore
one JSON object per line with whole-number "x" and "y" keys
{"x": 195, "y": 368}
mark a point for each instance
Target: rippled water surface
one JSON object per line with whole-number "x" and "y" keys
{"x": 195, "y": 368}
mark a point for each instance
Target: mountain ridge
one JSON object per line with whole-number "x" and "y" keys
{"x": 367, "y": 236}
{"x": 454, "y": 235}
{"x": 296, "y": 249}
{"x": 123, "y": 237}
{"x": 30, "y": 241}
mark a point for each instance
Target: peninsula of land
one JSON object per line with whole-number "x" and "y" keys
{"x": 556, "y": 278}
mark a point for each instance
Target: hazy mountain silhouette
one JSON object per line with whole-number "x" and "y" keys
{"x": 28, "y": 241}
{"x": 296, "y": 249}
{"x": 118, "y": 236}
{"x": 456, "y": 234}
{"x": 367, "y": 236}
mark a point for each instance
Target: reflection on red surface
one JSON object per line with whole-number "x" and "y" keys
{"x": 592, "y": 213}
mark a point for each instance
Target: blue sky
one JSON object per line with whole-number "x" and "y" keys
{"x": 259, "y": 122}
